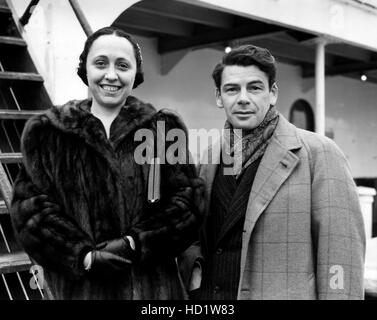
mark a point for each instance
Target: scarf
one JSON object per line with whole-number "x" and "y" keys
{"x": 245, "y": 147}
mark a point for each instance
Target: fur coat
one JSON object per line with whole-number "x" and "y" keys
{"x": 101, "y": 194}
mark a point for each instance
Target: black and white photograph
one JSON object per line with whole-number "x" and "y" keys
{"x": 183, "y": 155}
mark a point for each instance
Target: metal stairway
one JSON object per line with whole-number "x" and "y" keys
{"x": 22, "y": 95}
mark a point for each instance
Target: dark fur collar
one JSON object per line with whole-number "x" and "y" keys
{"x": 75, "y": 115}
{"x": 75, "y": 118}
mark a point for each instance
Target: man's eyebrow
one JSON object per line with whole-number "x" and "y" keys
{"x": 231, "y": 84}
{"x": 256, "y": 82}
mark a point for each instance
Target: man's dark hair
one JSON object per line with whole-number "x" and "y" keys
{"x": 81, "y": 71}
{"x": 247, "y": 55}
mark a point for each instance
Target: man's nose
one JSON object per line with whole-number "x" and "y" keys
{"x": 243, "y": 98}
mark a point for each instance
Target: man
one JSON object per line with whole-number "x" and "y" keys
{"x": 286, "y": 223}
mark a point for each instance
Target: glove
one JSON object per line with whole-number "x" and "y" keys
{"x": 120, "y": 247}
{"x": 106, "y": 263}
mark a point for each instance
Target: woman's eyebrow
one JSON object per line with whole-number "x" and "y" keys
{"x": 100, "y": 56}
{"x": 123, "y": 59}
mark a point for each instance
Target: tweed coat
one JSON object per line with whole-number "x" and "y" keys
{"x": 303, "y": 235}
{"x": 100, "y": 194}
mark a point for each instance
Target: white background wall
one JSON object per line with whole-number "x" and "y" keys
{"x": 56, "y": 39}
{"x": 345, "y": 20}
{"x": 351, "y": 105}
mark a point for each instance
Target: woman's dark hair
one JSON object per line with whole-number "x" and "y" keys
{"x": 81, "y": 71}
{"x": 247, "y": 55}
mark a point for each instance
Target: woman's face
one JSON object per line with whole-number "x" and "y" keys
{"x": 111, "y": 70}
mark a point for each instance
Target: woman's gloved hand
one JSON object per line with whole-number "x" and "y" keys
{"x": 110, "y": 256}
{"x": 123, "y": 247}
{"x": 104, "y": 263}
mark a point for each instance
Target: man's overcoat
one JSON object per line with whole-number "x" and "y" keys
{"x": 303, "y": 235}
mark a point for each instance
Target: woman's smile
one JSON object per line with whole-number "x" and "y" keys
{"x": 110, "y": 88}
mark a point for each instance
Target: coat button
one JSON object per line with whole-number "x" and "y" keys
{"x": 216, "y": 289}
{"x": 219, "y": 251}
{"x": 284, "y": 164}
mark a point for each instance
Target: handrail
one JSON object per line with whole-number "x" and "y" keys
{"x": 81, "y": 17}
{"x": 75, "y": 6}
{"x": 28, "y": 12}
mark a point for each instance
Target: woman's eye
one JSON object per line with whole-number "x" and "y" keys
{"x": 100, "y": 63}
{"x": 123, "y": 66}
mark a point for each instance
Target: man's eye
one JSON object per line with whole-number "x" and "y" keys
{"x": 231, "y": 90}
{"x": 254, "y": 88}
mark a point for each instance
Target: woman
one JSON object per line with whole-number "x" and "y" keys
{"x": 80, "y": 206}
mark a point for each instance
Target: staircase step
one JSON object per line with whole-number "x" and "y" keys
{"x": 11, "y": 157}
{"x": 4, "y": 9}
{"x": 18, "y": 114}
{"x": 14, "y": 262}
{"x": 20, "y": 76}
{"x": 3, "y": 207}
{"x": 13, "y": 41}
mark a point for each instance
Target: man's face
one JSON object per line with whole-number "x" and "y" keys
{"x": 245, "y": 96}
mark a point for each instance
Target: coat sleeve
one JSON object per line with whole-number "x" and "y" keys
{"x": 193, "y": 257}
{"x": 172, "y": 225}
{"x": 190, "y": 259}
{"x": 49, "y": 235}
{"x": 337, "y": 226}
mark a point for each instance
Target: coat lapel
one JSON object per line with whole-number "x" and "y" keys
{"x": 207, "y": 171}
{"x": 208, "y": 167}
{"x": 276, "y": 166}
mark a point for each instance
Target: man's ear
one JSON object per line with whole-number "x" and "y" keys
{"x": 274, "y": 94}
{"x": 219, "y": 101}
